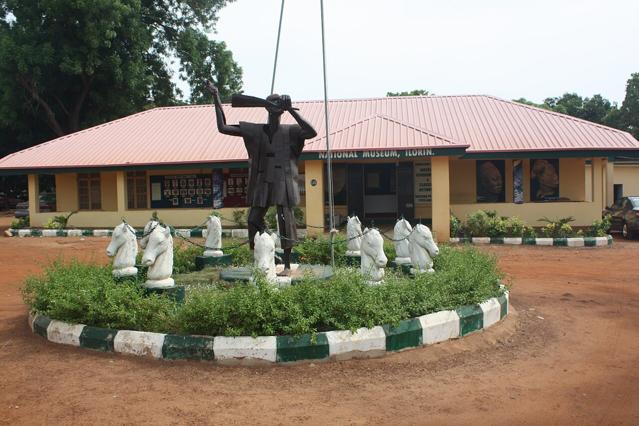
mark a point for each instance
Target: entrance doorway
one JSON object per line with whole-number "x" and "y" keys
{"x": 381, "y": 191}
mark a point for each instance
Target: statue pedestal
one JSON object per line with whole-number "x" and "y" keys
{"x": 130, "y": 272}
{"x": 202, "y": 262}
{"x": 176, "y": 292}
{"x": 353, "y": 258}
{"x": 298, "y": 272}
{"x": 403, "y": 264}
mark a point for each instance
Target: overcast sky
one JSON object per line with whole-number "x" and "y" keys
{"x": 507, "y": 48}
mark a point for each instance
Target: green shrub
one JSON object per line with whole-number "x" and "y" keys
{"x": 184, "y": 257}
{"x": 455, "y": 226}
{"x": 529, "y": 232}
{"x": 59, "y": 221}
{"x": 559, "y": 228}
{"x": 86, "y": 294}
{"x": 317, "y": 250}
{"x": 600, "y": 227}
{"x": 478, "y": 223}
{"x": 239, "y": 217}
{"x": 241, "y": 254}
{"x": 20, "y": 223}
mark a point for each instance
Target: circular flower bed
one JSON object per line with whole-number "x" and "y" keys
{"x": 298, "y": 319}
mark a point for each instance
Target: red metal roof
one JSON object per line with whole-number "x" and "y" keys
{"x": 188, "y": 134}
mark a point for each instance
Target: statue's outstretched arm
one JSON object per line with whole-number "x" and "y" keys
{"x": 226, "y": 129}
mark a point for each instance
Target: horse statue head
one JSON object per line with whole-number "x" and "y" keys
{"x": 422, "y": 249}
{"x": 213, "y": 242}
{"x": 124, "y": 249}
{"x": 148, "y": 228}
{"x": 373, "y": 257}
{"x": 264, "y": 254}
{"x": 158, "y": 256}
{"x": 400, "y": 234}
{"x": 353, "y": 235}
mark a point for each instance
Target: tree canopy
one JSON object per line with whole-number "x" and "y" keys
{"x": 597, "y": 108}
{"x": 67, "y": 65}
{"x": 416, "y": 92}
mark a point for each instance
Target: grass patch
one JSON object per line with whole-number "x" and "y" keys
{"x": 81, "y": 293}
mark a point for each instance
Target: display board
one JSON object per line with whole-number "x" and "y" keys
{"x": 490, "y": 181}
{"x": 423, "y": 183}
{"x": 181, "y": 191}
{"x": 236, "y": 187}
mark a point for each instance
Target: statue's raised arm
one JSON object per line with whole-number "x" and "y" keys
{"x": 307, "y": 131}
{"x": 226, "y": 129}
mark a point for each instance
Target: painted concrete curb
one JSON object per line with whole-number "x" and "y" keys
{"x": 363, "y": 343}
{"x": 186, "y": 233}
{"x": 557, "y": 242}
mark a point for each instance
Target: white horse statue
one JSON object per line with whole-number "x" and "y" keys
{"x": 158, "y": 256}
{"x": 264, "y": 254}
{"x": 213, "y": 242}
{"x": 373, "y": 256}
{"x": 422, "y": 249}
{"x": 400, "y": 234}
{"x": 353, "y": 236}
{"x": 124, "y": 249}
{"x": 148, "y": 228}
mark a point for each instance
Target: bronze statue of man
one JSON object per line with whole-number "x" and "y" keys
{"x": 273, "y": 149}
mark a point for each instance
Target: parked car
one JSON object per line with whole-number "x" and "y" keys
{"x": 47, "y": 204}
{"x": 625, "y": 216}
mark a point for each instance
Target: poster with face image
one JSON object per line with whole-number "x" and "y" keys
{"x": 544, "y": 180}
{"x": 490, "y": 181}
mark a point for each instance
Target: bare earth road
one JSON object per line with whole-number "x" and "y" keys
{"x": 569, "y": 354}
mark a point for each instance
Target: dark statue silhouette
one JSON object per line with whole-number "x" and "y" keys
{"x": 274, "y": 150}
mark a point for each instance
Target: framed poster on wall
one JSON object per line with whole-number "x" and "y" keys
{"x": 490, "y": 181}
{"x": 181, "y": 191}
{"x": 544, "y": 179}
{"x": 236, "y": 187}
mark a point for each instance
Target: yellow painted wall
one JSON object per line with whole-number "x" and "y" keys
{"x": 628, "y": 176}
{"x": 108, "y": 182}
{"x": 441, "y": 198}
{"x": 66, "y": 189}
{"x": 314, "y": 169}
{"x": 575, "y": 183}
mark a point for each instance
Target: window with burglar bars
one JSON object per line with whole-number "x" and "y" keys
{"x": 89, "y": 191}
{"x": 136, "y": 190}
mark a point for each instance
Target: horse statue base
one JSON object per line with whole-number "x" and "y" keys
{"x": 213, "y": 253}
{"x": 176, "y": 293}
{"x": 165, "y": 283}
{"x": 298, "y": 274}
{"x": 131, "y": 271}
{"x": 202, "y": 262}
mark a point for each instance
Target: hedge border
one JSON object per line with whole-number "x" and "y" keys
{"x": 363, "y": 343}
{"x": 187, "y": 233}
{"x": 557, "y": 242}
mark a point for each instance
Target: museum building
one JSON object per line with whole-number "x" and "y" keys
{"x": 417, "y": 157}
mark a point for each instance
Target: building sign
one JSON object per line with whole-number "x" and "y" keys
{"x": 364, "y": 155}
{"x": 423, "y": 183}
{"x": 181, "y": 191}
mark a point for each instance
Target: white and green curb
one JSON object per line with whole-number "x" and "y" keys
{"x": 361, "y": 343}
{"x": 557, "y": 242}
{"x": 186, "y": 233}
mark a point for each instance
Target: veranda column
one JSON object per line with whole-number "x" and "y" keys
{"x": 598, "y": 189}
{"x": 314, "y": 184}
{"x": 610, "y": 183}
{"x": 441, "y": 198}
{"x": 120, "y": 188}
{"x": 33, "y": 199}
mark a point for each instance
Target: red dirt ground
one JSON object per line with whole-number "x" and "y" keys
{"x": 569, "y": 354}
